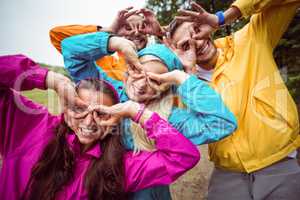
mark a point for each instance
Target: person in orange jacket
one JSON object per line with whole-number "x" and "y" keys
{"x": 134, "y": 25}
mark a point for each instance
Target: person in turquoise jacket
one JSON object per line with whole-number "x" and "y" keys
{"x": 204, "y": 117}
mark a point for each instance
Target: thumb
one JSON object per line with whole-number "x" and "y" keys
{"x": 192, "y": 44}
{"x": 157, "y": 77}
{"x": 111, "y": 122}
{"x": 80, "y": 103}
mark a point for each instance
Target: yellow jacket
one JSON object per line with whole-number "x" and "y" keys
{"x": 248, "y": 79}
{"x": 114, "y": 66}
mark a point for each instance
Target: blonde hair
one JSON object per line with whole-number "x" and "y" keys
{"x": 162, "y": 106}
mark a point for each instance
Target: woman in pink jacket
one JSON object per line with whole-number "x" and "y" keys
{"x": 74, "y": 155}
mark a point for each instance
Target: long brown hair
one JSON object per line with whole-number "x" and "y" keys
{"x": 104, "y": 178}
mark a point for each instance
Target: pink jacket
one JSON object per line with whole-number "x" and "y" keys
{"x": 27, "y": 127}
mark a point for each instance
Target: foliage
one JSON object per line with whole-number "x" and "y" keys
{"x": 47, "y": 98}
{"x": 287, "y": 53}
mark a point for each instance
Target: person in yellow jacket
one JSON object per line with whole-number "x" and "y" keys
{"x": 258, "y": 161}
{"x": 134, "y": 25}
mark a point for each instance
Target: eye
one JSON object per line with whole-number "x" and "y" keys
{"x": 100, "y": 114}
{"x": 127, "y": 27}
{"x": 196, "y": 29}
{"x": 185, "y": 46}
{"x": 77, "y": 109}
{"x": 154, "y": 81}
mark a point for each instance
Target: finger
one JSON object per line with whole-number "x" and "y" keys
{"x": 140, "y": 25}
{"x": 135, "y": 75}
{"x": 76, "y": 115}
{"x": 201, "y": 35}
{"x": 139, "y": 66}
{"x": 111, "y": 122}
{"x": 188, "y": 13}
{"x": 146, "y": 12}
{"x": 135, "y": 66}
{"x": 192, "y": 44}
{"x": 144, "y": 31}
{"x": 167, "y": 41}
{"x": 96, "y": 118}
{"x": 129, "y": 8}
{"x": 157, "y": 77}
{"x": 100, "y": 108}
{"x": 80, "y": 103}
{"x": 197, "y": 7}
{"x": 184, "y": 19}
{"x": 112, "y": 110}
{"x": 128, "y": 14}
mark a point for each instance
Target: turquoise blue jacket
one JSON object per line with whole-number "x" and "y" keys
{"x": 204, "y": 120}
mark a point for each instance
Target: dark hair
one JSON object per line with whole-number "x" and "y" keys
{"x": 104, "y": 178}
{"x": 172, "y": 27}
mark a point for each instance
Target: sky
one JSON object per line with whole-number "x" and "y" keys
{"x": 25, "y": 24}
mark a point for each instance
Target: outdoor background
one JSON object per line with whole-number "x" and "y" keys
{"x": 25, "y": 26}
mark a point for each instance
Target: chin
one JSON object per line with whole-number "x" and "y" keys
{"x": 140, "y": 46}
{"x": 206, "y": 59}
{"x": 85, "y": 141}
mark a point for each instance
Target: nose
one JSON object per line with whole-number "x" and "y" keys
{"x": 88, "y": 120}
{"x": 135, "y": 31}
{"x": 141, "y": 84}
{"x": 199, "y": 43}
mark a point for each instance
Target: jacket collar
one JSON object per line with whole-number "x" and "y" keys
{"x": 74, "y": 144}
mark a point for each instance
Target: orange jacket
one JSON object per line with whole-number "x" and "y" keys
{"x": 114, "y": 65}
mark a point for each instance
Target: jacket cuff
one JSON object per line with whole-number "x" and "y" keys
{"x": 245, "y": 6}
{"x": 104, "y": 42}
{"x": 38, "y": 78}
{"x": 151, "y": 125}
{"x": 184, "y": 90}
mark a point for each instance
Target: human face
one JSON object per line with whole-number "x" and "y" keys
{"x": 141, "y": 88}
{"x": 206, "y": 51}
{"x": 131, "y": 31}
{"x": 85, "y": 127}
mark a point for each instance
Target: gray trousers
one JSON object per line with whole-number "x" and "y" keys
{"x": 280, "y": 181}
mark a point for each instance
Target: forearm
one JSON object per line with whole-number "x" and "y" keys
{"x": 174, "y": 155}
{"x": 54, "y": 80}
{"x": 206, "y": 118}
{"x": 21, "y": 73}
{"x": 80, "y": 53}
{"x": 232, "y": 14}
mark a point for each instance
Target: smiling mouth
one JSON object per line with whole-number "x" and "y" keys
{"x": 88, "y": 132}
{"x": 203, "y": 49}
{"x": 137, "y": 39}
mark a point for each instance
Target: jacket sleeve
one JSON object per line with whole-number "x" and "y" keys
{"x": 174, "y": 155}
{"x": 19, "y": 116}
{"x": 80, "y": 53}
{"x": 59, "y": 33}
{"x": 269, "y": 18}
{"x": 206, "y": 118}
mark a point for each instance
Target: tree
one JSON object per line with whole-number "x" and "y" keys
{"x": 287, "y": 53}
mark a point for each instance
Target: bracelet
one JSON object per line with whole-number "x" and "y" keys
{"x": 221, "y": 18}
{"x": 138, "y": 116}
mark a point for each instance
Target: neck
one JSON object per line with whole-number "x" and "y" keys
{"x": 85, "y": 147}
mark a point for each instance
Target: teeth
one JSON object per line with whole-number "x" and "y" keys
{"x": 202, "y": 49}
{"x": 87, "y": 131}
